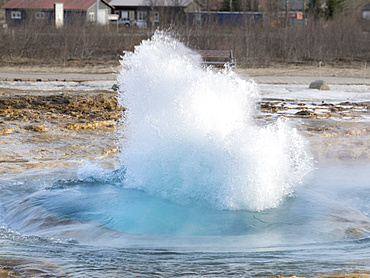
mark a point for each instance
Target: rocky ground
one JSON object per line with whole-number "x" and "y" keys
{"x": 335, "y": 131}
{"x": 49, "y": 129}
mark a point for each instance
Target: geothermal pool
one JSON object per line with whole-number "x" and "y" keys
{"x": 202, "y": 184}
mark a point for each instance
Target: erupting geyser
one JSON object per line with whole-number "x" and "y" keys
{"x": 188, "y": 133}
{"x": 202, "y": 184}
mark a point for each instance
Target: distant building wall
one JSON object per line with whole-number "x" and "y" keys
{"x": 21, "y": 16}
{"x": 102, "y": 17}
{"x": 225, "y": 18}
{"x": 366, "y": 12}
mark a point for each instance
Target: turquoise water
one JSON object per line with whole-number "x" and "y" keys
{"x": 94, "y": 228}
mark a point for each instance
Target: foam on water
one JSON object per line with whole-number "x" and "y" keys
{"x": 188, "y": 133}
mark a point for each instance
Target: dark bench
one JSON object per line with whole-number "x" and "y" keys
{"x": 218, "y": 58}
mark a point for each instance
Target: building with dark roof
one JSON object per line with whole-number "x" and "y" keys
{"x": 83, "y": 11}
{"x": 150, "y": 12}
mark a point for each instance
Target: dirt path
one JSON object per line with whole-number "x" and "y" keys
{"x": 360, "y": 70}
{"x": 357, "y": 70}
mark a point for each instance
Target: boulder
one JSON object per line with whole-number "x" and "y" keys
{"x": 306, "y": 114}
{"x": 115, "y": 87}
{"x": 319, "y": 85}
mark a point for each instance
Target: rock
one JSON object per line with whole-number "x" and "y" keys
{"x": 306, "y": 114}
{"x": 303, "y": 113}
{"x": 319, "y": 85}
{"x": 7, "y": 130}
{"x": 115, "y": 87}
{"x": 37, "y": 128}
{"x": 90, "y": 125}
{"x": 352, "y": 132}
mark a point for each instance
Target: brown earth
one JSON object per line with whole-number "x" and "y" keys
{"x": 348, "y": 70}
{"x": 47, "y": 129}
{"x": 340, "y": 69}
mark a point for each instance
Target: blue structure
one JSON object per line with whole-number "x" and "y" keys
{"x": 227, "y": 18}
{"x": 242, "y": 18}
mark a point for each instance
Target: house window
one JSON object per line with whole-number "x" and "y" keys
{"x": 124, "y": 14}
{"x": 16, "y": 15}
{"x": 141, "y": 16}
{"x": 132, "y": 15}
{"x": 156, "y": 16}
{"x": 40, "y": 15}
{"x": 366, "y": 15}
{"x": 91, "y": 17}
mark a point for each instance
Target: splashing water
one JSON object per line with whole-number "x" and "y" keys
{"x": 195, "y": 166}
{"x": 188, "y": 133}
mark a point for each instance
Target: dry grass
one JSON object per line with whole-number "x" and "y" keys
{"x": 339, "y": 41}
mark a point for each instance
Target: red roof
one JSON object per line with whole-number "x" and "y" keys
{"x": 49, "y": 4}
